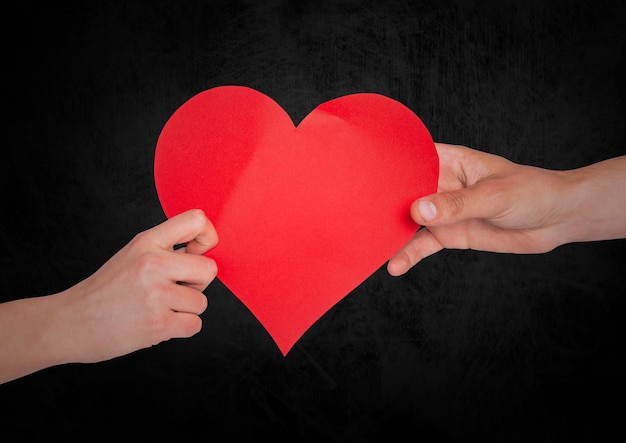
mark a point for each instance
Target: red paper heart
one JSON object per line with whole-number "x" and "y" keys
{"x": 304, "y": 214}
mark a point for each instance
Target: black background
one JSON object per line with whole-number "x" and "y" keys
{"x": 467, "y": 346}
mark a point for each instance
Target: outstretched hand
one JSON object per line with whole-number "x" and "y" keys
{"x": 486, "y": 202}
{"x": 145, "y": 294}
{"x": 149, "y": 291}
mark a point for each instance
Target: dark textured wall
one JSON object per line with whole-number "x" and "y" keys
{"x": 467, "y": 346}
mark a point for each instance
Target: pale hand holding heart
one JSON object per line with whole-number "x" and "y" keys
{"x": 304, "y": 214}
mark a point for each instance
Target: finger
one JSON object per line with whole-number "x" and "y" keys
{"x": 184, "y": 325}
{"x": 196, "y": 271}
{"x": 200, "y": 246}
{"x": 422, "y": 245}
{"x": 184, "y": 299}
{"x": 484, "y": 200}
{"x": 191, "y": 227}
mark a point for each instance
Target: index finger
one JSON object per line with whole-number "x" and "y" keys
{"x": 191, "y": 227}
{"x": 422, "y": 245}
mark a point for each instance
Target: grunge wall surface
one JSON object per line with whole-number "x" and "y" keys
{"x": 468, "y": 346}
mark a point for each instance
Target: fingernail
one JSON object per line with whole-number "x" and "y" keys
{"x": 427, "y": 210}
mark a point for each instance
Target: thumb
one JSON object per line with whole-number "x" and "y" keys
{"x": 446, "y": 208}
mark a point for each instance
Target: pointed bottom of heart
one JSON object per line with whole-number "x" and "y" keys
{"x": 288, "y": 315}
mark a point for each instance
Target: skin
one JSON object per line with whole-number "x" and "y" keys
{"x": 488, "y": 203}
{"x": 148, "y": 292}
{"x": 145, "y": 294}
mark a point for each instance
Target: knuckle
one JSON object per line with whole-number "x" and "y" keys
{"x": 455, "y": 203}
{"x": 203, "y": 303}
{"x": 149, "y": 263}
{"x": 191, "y": 326}
{"x": 211, "y": 267}
{"x": 140, "y": 240}
{"x": 198, "y": 217}
{"x": 159, "y": 324}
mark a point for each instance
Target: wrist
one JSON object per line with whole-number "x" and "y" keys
{"x": 61, "y": 328}
{"x": 591, "y": 210}
{"x": 50, "y": 339}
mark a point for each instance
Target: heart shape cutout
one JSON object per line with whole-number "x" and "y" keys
{"x": 304, "y": 214}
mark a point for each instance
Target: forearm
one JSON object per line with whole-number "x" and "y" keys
{"x": 596, "y": 201}
{"x": 28, "y": 328}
